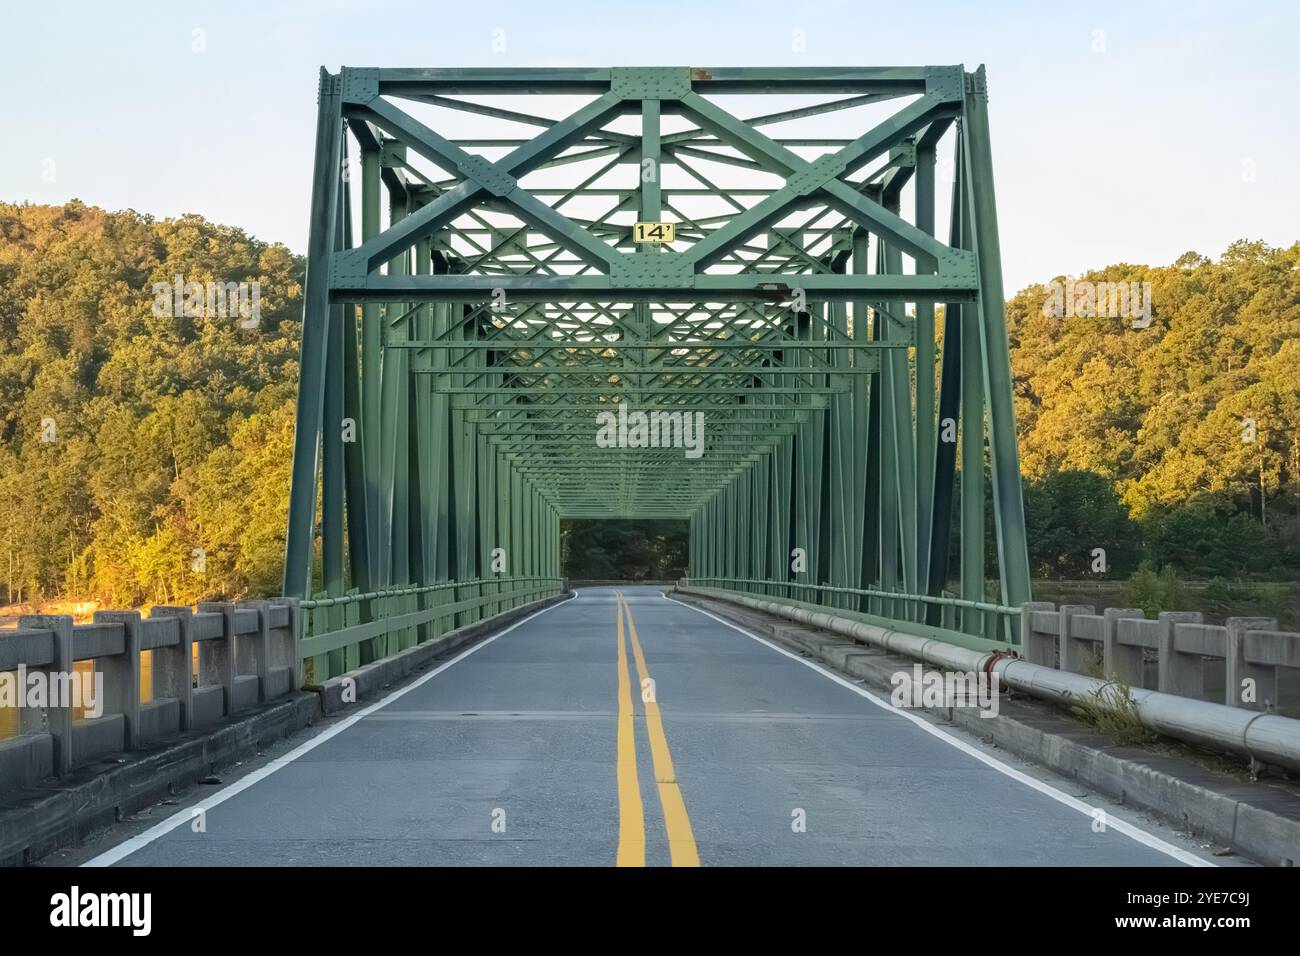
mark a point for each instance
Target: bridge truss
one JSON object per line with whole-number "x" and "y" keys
{"x": 479, "y": 291}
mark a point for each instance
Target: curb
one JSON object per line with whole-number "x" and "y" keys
{"x": 41, "y": 819}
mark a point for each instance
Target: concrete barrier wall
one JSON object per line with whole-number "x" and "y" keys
{"x": 217, "y": 661}
{"x": 1247, "y": 662}
{"x": 245, "y": 657}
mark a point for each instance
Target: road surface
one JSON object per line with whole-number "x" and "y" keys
{"x": 657, "y": 736}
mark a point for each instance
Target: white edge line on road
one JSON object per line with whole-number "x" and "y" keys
{"x": 1112, "y": 822}
{"x": 135, "y": 843}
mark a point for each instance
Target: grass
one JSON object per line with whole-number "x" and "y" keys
{"x": 1112, "y": 710}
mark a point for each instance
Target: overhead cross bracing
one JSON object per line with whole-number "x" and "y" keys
{"x": 490, "y": 270}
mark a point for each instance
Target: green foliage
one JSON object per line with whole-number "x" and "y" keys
{"x": 1194, "y": 420}
{"x": 171, "y": 433}
{"x": 618, "y": 550}
{"x": 1070, "y": 513}
{"x": 1218, "y": 594}
{"x": 1273, "y": 598}
{"x": 1201, "y": 539}
{"x": 1154, "y": 591}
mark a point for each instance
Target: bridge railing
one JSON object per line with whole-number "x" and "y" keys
{"x": 82, "y": 691}
{"x": 978, "y": 624}
{"x": 1246, "y": 662}
{"x": 338, "y": 634}
{"x": 77, "y": 688}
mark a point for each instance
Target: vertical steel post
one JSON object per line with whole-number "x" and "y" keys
{"x": 1004, "y": 456}
{"x": 315, "y": 342}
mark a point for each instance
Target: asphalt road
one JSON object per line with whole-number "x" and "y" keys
{"x": 549, "y": 745}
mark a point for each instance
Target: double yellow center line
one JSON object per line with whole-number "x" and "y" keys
{"x": 631, "y": 812}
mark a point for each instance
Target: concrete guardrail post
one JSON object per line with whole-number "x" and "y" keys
{"x": 1181, "y": 674}
{"x": 217, "y": 657}
{"x": 1073, "y": 654}
{"x": 173, "y": 666}
{"x": 1261, "y": 692}
{"x": 284, "y": 641}
{"x": 1122, "y": 662}
{"x": 122, "y": 675}
{"x": 1036, "y": 647}
{"x": 253, "y": 651}
{"x": 298, "y": 631}
{"x": 52, "y": 719}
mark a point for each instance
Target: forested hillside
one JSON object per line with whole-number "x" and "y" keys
{"x": 1178, "y": 442}
{"x": 131, "y": 443}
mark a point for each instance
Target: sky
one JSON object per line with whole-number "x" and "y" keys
{"x": 1121, "y": 132}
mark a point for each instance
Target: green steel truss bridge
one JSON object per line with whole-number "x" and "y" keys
{"x": 507, "y": 270}
{"x": 500, "y": 258}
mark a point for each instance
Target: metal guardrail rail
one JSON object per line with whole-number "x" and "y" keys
{"x": 963, "y": 622}
{"x": 340, "y": 633}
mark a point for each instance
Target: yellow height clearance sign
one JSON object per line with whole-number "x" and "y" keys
{"x": 658, "y": 232}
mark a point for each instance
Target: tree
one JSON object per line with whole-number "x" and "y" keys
{"x": 1199, "y": 409}
{"x": 1071, "y": 514}
{"x": 624, "y": 550}
{"x": 116, "y": 419}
